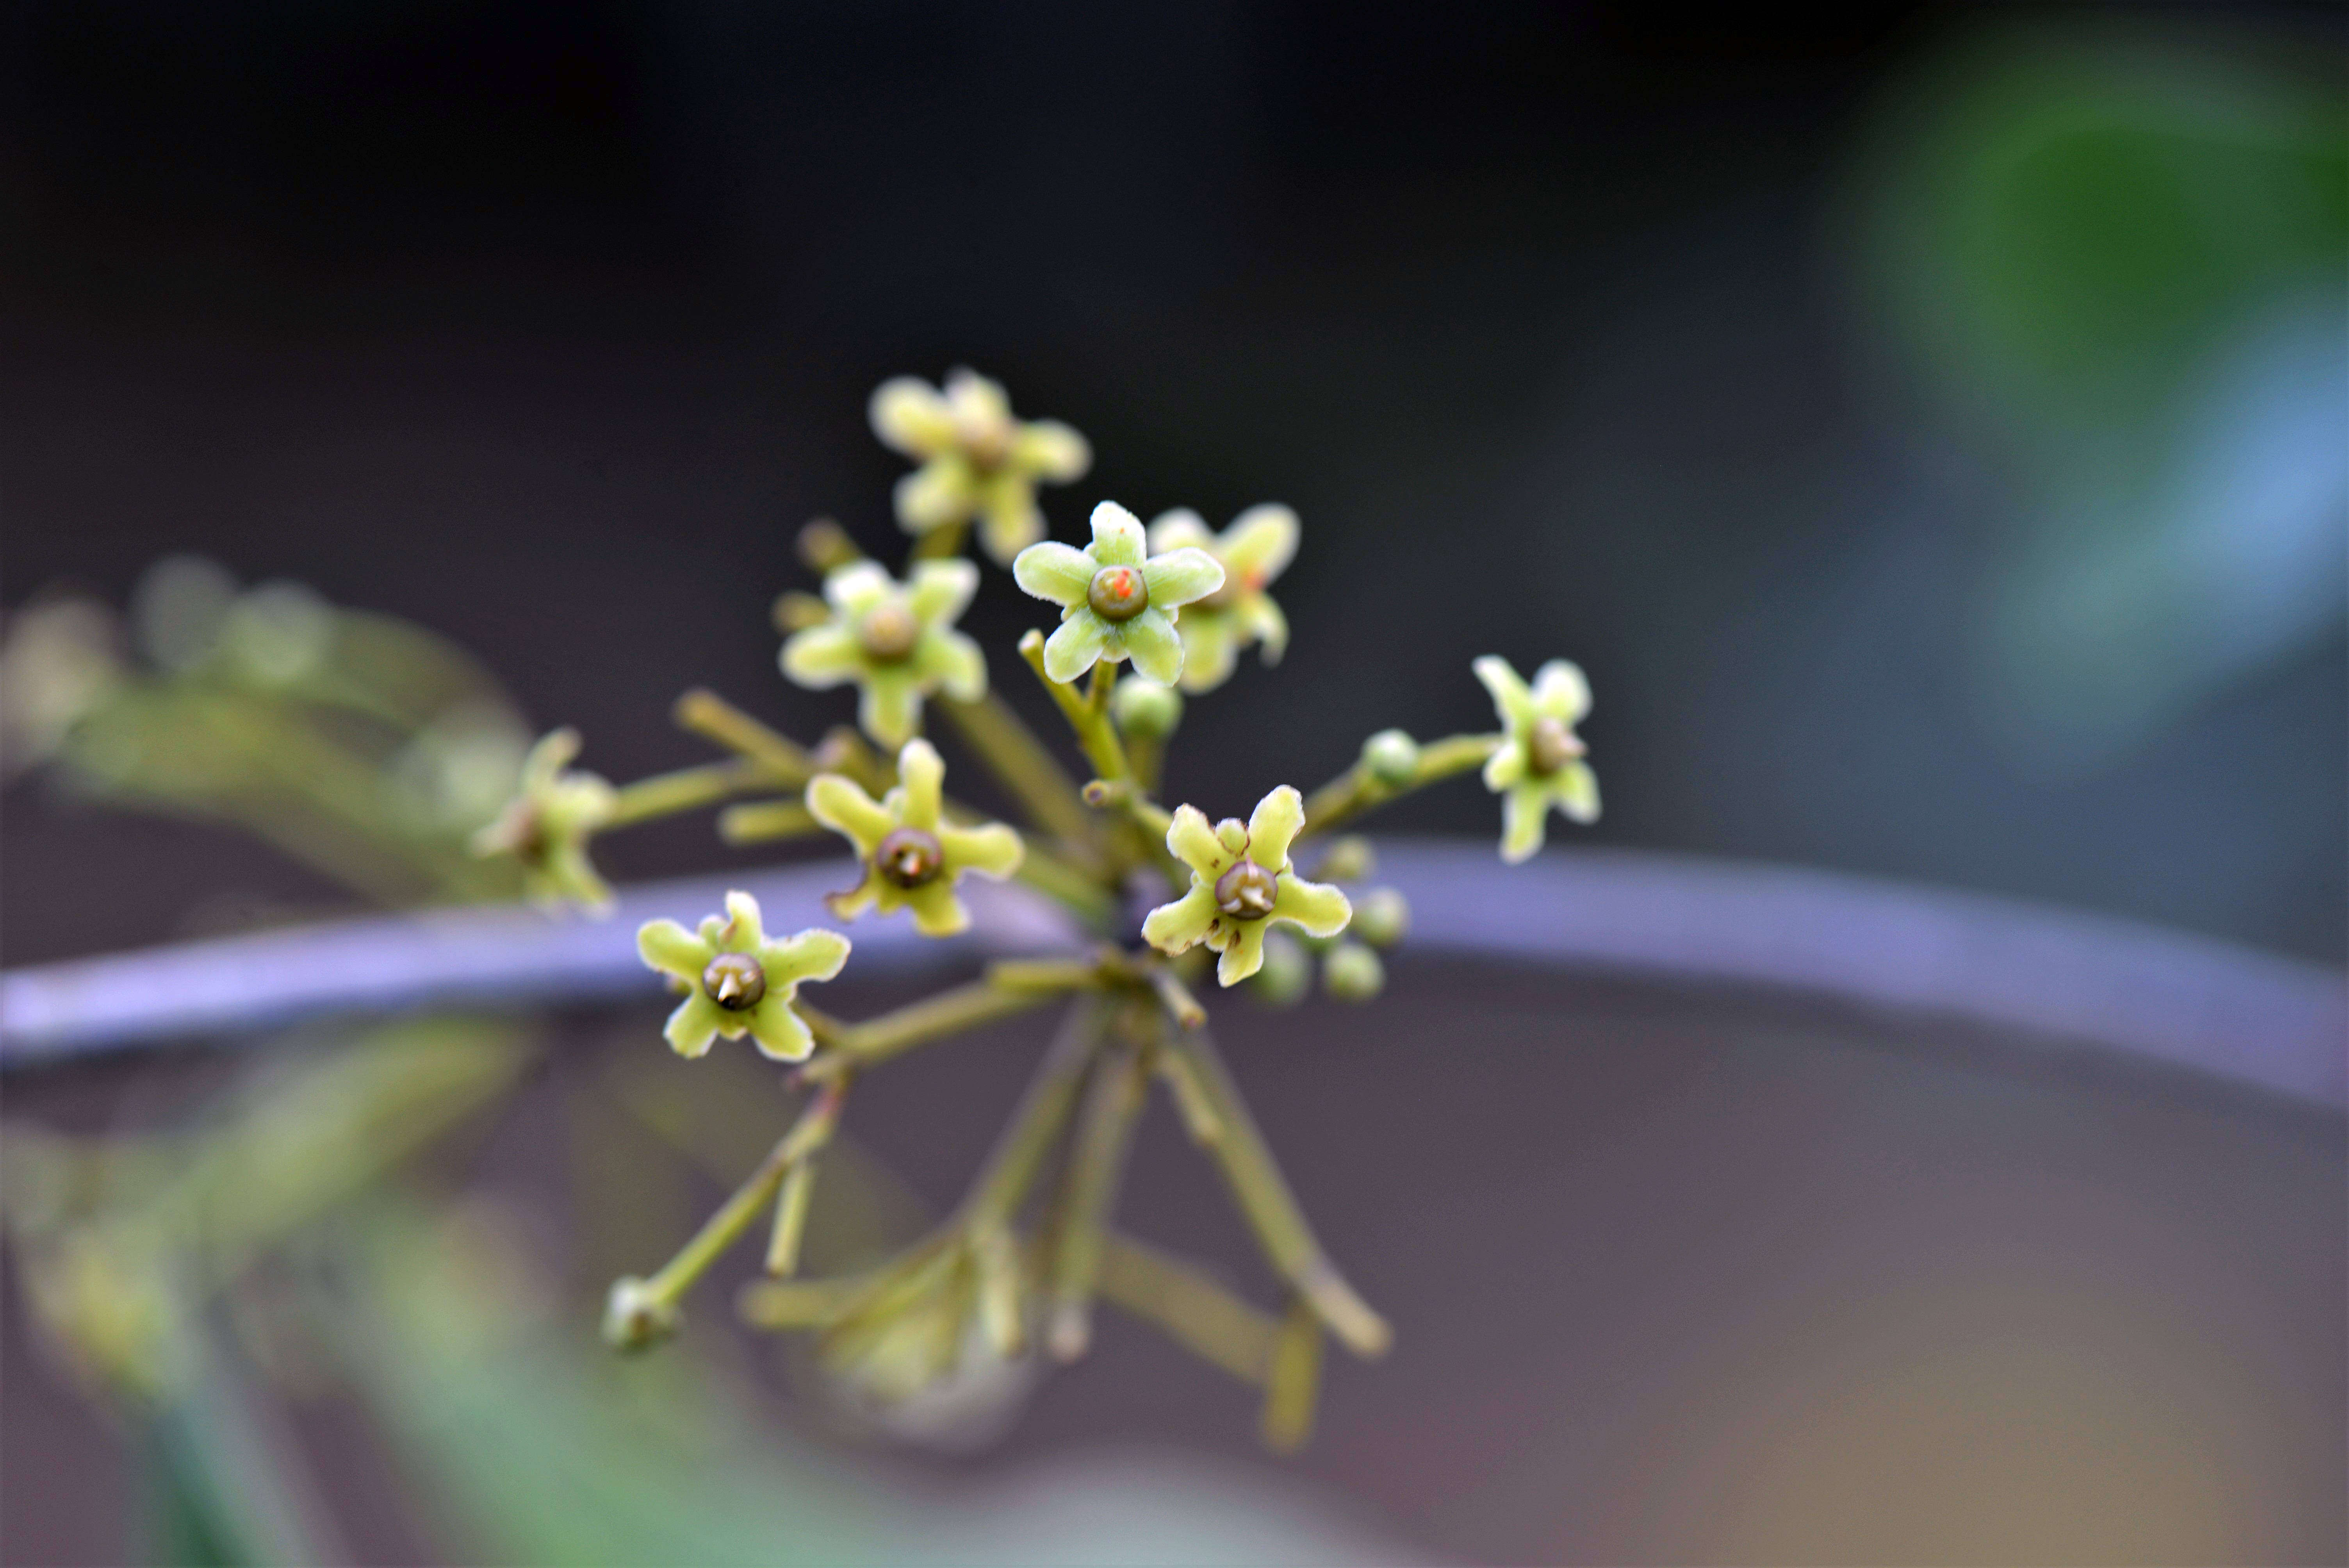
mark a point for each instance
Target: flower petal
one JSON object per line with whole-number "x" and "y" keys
{"x": 938, "y": 493}
{"x": 693, "y": 1025}
{"x": 1506, "y": 766}
{"x": 574, "y": 876}
{"x": 940, "y": 591}
{"x": 1233, "y": 835}
{"x": 815, "y": 953}
{"x": 1011, "y": 520}
{"x": 1209, "y": 651}
{"x": 936, "y": 911}
{"x": 743, "y": 932}
{"x": 1521, "y": 812}
{"x": 547, "y": 759}
{"x": 779, "y": 1033}
{"x": 1054, "y": 571}
{"x": 1261, "y": 618}
{"x": 1190, "y": 839}
{"x": 1072, "y": 650}
{"x": 1243, "y": 955}
{"x": 993, "y": 850}
{"x": 1051, "y": 450}
{"x": 911, "y": 417}
{"x": 1179, "y": 926}
{"x": 1560, "y": 691}
{"x": 1511, "y": 699}
{"x": 1273, "y": 827}
{"x": 666, "y": 946}
{"x": 857, "y": 587}
{"x": 1156, "y": 651}
{"x": 1259, "y": 545}
{"x": 1577, "y": 791}
{"x": 1322, "y": 910}
{"x": 1118, "y": 538}
{"x": 822, "y": 656}
{"x": 921, "y": 775}
{"x": 1180, "y": 576}
{"x": 850, "y": 902}
{"x": 977, "y": 402}
{"x": 891, "y": 708}
{"x": 952, "y": 660}
{"x": 1179, "y": 528}
{"x": 842, "y": 805}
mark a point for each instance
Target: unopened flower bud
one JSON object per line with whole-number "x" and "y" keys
{"x": 1382, "y": 916}
{"x": 635, "y": 1318}
{"x": 1392, "y": 757}
{"x": 1146, "y": 710}
{"x": 1287, "y": 973}
{"x": 1346, "y": 860}
{"x": 1352, "y": 972}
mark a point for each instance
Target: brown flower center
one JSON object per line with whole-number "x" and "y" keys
{"x": 909, "y": 857}
{"x": 1118, "y": 593}
{"x": 735, "y": 981}
{"x": 888, "y": 630}
{"x": 1247, "y": 891}
{"x": 1551, "y": 746}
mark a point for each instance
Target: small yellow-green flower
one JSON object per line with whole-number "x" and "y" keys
{"x": 912, "y": 857}
{"x": 1241, "y": 883}
{"x": 546, "y": 826}
{"x": 1117, "y": 601}
{"x": 1539, "y": 764}
{"x": 976, "y": 460}
{"x": 1256, "y": 549}
{"x": 897, "y": 642}
{"x": 737, "y": 980}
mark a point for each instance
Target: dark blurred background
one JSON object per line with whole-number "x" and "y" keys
{"x": 1927, "y": 431}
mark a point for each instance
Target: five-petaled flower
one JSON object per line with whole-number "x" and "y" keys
{"x": 1540, "y": 762}
{"x": 1117, "y": 601}
{"x": 1256, "y": 549}
{"x": 897, "y": 642}
{"x": 737, "y": 980}
{"x": 976, "y": 460}
{"x": 1241, "y": 882}
{"x": 912, "y": 857}
{"x": 546, "y": 826}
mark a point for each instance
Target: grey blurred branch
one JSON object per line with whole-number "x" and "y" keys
{"x": 2045, "y": 976}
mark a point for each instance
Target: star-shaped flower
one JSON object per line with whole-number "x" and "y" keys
{"x": 897, "y": 642}
{"x": 1256, "y": 549}
{"x": 1539, "y": 763}
{"x": 912, "y": 858}
{"x": 1117, "y": 601}
{"x": 546, "y": 826}
{"x": 737, "y": 980}
{"x": 976, "y": 460}
{"x": 1241, "y": 883}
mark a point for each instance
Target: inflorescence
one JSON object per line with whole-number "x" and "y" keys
{"x": 1020, "y": 1262}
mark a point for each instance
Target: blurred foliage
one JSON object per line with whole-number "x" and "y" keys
{"x": 2124, "y": 255}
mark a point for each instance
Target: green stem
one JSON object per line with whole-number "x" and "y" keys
{"x": 1292, "y": 1379}
{"x": 853, "y": 1047}
{"x": 1021, "y": 762}
{"x": 1354, "y": 791}
{"x": 1094, "y": 731}
{"x": 1201, "y": 1315}
{"x": 1271, "y": 1209}
{"x": 1011, "y": 1169}
{"x": 1105, "y": 1132}
{"x": 714, "y": 719}
{"x": 737, "y": 1214}
{"x": 687, "y": 789}
{"x": 757, "y": 822}
{"x": 942, "y": 542}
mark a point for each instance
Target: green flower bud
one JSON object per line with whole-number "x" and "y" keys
{"x": 1348, "y": 859}
{"x": 635, "y": 1318}
{"x": 1352, "y": 972}
{"x": 1381, "y": 917}
{"x": 1146, "y": 710}
{"x": 1391, "y": 758}
{"x": 1286, "y": 975}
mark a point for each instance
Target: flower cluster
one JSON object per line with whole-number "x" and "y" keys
{"x": 1539, "y": 761}
{"x": 912, "y": 857}
{"x": 978, "y": 461}
{"x": 1117, "y": 600}
{"x": 895, "y": 641}
{"x": 738, "y": 981}
{"x": 1241, "y": 884}
{"x": 546, "y": 826}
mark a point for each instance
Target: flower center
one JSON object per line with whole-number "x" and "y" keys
{"x": 985, "y": 440}
{"x": 1551, "y": 746}
{"x": 1247, "y": 891}
{"x": 909, "y": 857}
{"x": 735, "y": 981}
{"x": 1118, "y": 593}
{"x": 888, "y": 630}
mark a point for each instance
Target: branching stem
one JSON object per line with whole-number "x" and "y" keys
{"x": 1354, "y": 791}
